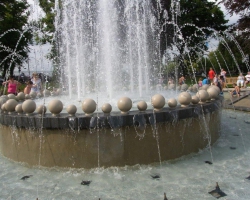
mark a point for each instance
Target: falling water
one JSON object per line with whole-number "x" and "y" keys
{"x": 118, "y": 39}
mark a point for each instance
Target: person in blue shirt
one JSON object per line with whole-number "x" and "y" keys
{"x": 205, "y": 81}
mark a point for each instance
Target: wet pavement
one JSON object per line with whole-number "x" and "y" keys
{"x": 241, "y": 103}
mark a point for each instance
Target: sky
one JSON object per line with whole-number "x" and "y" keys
{"x": 38, "y": 61}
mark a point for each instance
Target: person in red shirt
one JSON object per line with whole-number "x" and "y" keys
{"x": 211, "y": 75}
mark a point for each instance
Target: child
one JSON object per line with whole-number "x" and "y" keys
{"x": 236, "y": 90}
{"x": 28, "y": 87}
{"x": 200, "y": 82}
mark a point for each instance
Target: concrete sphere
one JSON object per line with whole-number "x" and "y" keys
{"x": 3, "y": 107}
{"x": 41, "y": 109}
{"x": 171, "y": 86}
{"x": 33, "y": 95}
{"x": 172, "y": 103}
{"x": 55, "y": 106}
{"x": 59, "y": 91}
{"x": 190, "y": 89}
{"x": 3, "y": 100}
{"x": 27, "y": 96}
{"x": 195, "y": 87}
{"x": 11, "y": 96}
{"x": 213, "y": 93}
{"x": 124, "y": 104}
{"x": 216, "y": 88}
{"x": 195, "y": 99}
{"x": 88, "y": 106}
{"x": 184, "y": 87}
{"x": 46, "y": 93}
{"x": 158, "y": 102}
{"x": 71, "y": 109}
{"x": 185, "y": 99}
{"x": 106, "y": 108}
{"x": 39, "y": 95}
{"x": 142, "y": 106}
{"x": 21, "y": 96}
{"x": 204, "y": 87}
{"x": 10, "y": 105}
{"x": 202, "y": 95}
{"x": 19, "y": 108}
{"x": 29, "y": 106}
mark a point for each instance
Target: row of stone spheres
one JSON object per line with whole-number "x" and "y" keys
{"x": 24, "y": 104}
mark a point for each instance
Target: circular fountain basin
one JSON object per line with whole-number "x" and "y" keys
{"x": 102, "y": 140}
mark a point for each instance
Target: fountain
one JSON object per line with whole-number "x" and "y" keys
{"x": 116, "y": 144}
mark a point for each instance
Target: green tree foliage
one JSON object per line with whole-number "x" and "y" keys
{"x": 241, "y": 8}
{"x": 196, "y": 22}
{"x": 15, "y": 35}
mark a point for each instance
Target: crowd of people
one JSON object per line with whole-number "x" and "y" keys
{"x": 32, "y": 85}
{"x": 219, "y": 79}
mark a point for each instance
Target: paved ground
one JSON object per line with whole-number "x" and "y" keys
{"x": 238, "y": 103}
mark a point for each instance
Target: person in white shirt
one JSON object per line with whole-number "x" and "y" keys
{"x": 247, "y": 79}
{"x": 240, "y": 80}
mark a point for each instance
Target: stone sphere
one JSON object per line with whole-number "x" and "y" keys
{"x": 33, "y": 95}
{"x": 204, "y": 87}
{"x": 11, "y": 96}
{"x": 55, "y": 107}
{"x": 195, "y": 87}
{"x": 190, "y": 89}
{"x": 216, "y": 88}
{"x": 3, "y": 107}
{"x": 202, "y": 95}
{"x": 10, "y": 105}
{"x": 106, "y": 108}
{"x": 165, "y": 87}
{"x": 88, "y": 106}
{"x": 184, "y": 87}
{"x": 71, "y": 109}
{"x": 178, "y": 87}
{"x": 27, "y": 96}
{"x": 3, "y": 100}
{"x": 21, "y": 96}
{"x": 172, "y": 103}
{"x": 39, "y": 95}
{"x": 195, "y": 99}
{"x": 142, "y": 106}
{"x": 46, "y": 93}
{"x": 213, "y": 93}
{"x": 124, "y": 104}
{"x": 59, "y": 91}
{"x": 185, "y": 99}
{"x": 19, "y": 108}
{"x": 158, "y": 102}
{"x": 41, "y": 109}
{"x": 29, "y": 106}
{"x": 171, "y": 86}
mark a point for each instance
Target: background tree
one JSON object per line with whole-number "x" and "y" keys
{"x": 241, "y": 8}
{"x": 196, "y": 21}
{"x": 15, "y": 34}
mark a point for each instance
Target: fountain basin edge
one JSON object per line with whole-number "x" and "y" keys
{"x": 109, "y": 140}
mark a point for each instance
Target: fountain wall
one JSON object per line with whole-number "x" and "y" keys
{"x": 103, "y": 140}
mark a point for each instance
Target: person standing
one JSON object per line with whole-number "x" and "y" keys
{"x": 211, "y": 75}
{"x": 37, "y": 83}
{"x": 12, "y": 85}
{"x": 223, "y": 73}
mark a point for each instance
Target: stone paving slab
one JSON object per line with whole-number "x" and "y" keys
{"x": 241, "y": 103}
